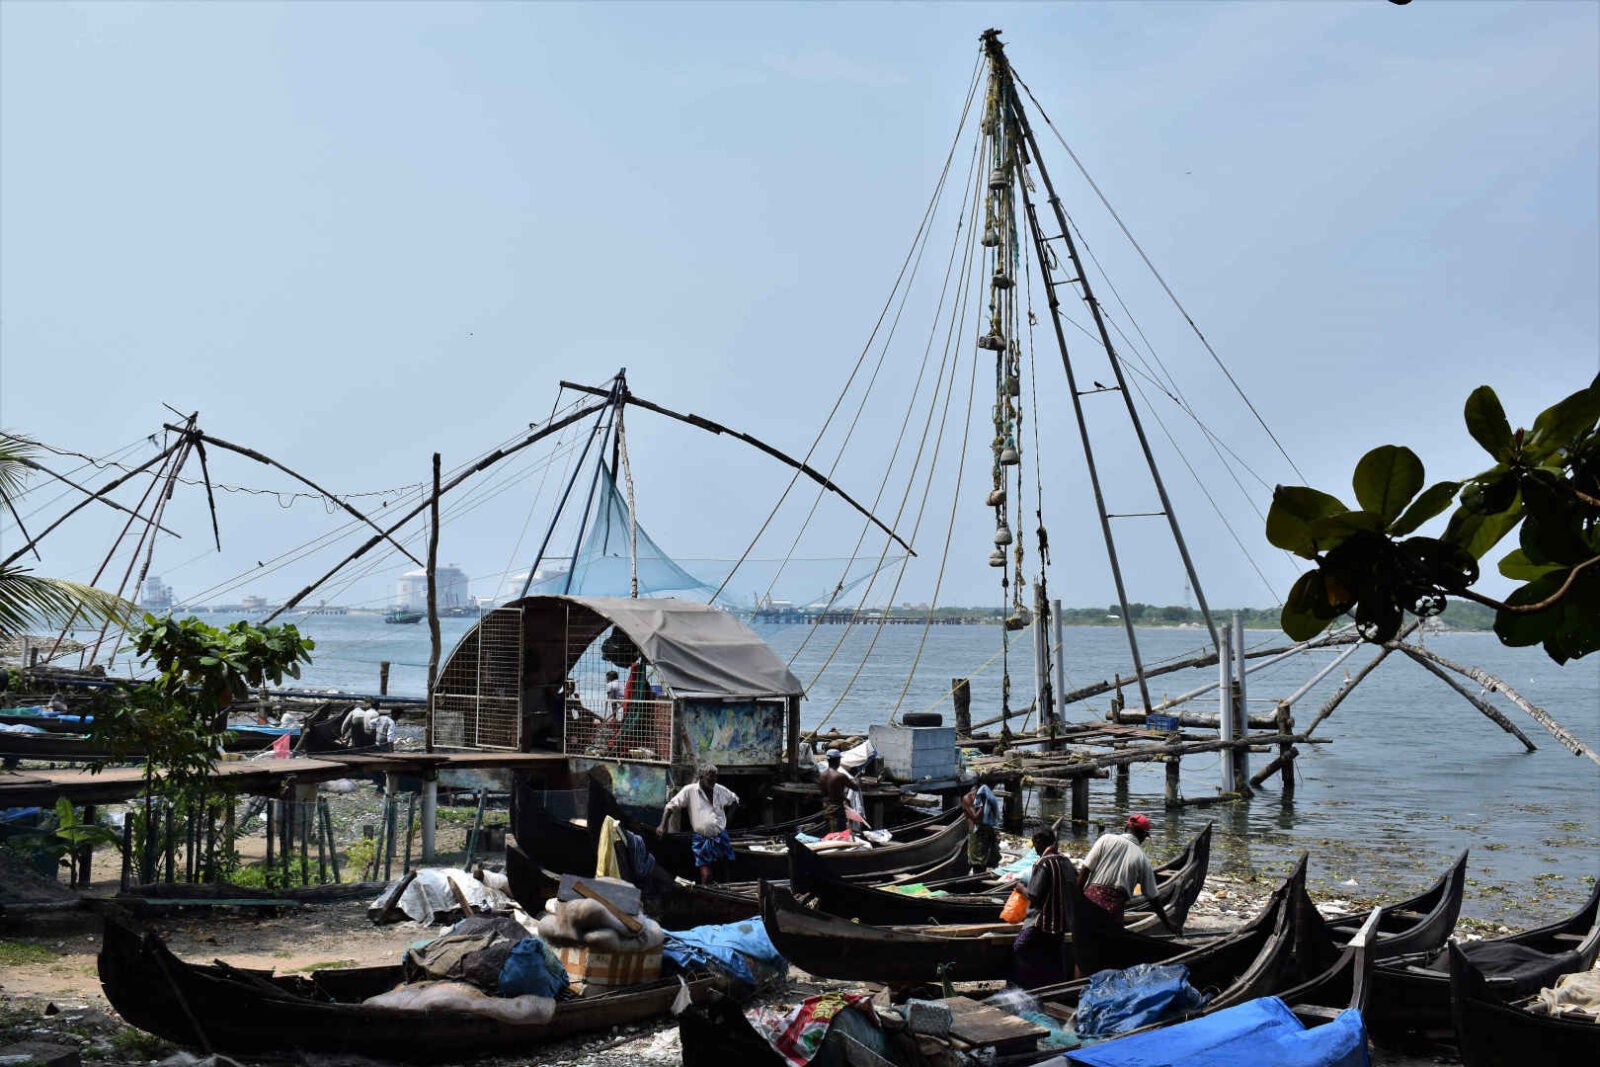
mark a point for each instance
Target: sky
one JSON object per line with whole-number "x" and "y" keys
{"x": 354, "y": 235}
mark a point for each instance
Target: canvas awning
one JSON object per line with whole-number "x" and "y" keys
{"x": 697, "y": 650}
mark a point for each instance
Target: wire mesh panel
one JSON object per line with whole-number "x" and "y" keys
{"x": 477, "y": 702}
{"x": 615, "y": 705}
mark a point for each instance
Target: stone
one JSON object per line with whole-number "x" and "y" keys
{"x": 38, "y": 1054}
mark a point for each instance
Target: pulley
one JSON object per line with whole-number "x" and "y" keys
{"x": 1002, "y": 534}
{"x": 1002, "y": 280}
{"x": 1009, "y": 456}
{"x": 998, "y": 180}
{"x": 994, "y": 341}
{"x": 997, "y": 498}
{"x": 991, "y": 237}
{"x": 997, "y": 558}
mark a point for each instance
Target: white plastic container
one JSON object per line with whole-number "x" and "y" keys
{"x": 916, "y": 753}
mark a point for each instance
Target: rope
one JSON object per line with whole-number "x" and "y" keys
{"x": 860, "y": 360}
{"x": 1165, "y": 287}
{"x": 633, "y": 516}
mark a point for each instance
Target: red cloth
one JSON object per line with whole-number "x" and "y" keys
{"x": 280, "y": 747}
{"x": 1108, "y": 898}
{"x": 842, "y": 835}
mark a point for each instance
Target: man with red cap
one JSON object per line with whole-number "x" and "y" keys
{"x": 1115, "y": 866}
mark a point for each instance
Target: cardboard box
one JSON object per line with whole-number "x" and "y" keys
{"x": 611, "y": 968}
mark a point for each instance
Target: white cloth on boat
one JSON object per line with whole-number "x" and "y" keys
{"x": 428, "y": 897}
{"x": 1575, "y": 994}
{"x": 1118, "y": 860}
{"x": 708, "y": 816}
{"x": 459, "y": 996}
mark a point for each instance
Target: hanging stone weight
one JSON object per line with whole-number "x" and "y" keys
{"x": 1013, "y": 385}
{"x": 997, "y": 498}
{"x": 1002, "y": 535}
{"x": 1009, "y": 457}
{"x": 998, "y": 180}
{"x": 997, "y": 558}
{"x": 994, "y": 342}
{"x": 1019, "y": 619}
{"x": 991, "y": 237}
{"x": 1002, "y": 280}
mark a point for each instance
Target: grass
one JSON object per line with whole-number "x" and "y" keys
{"x": 134, "y": 1044}
{"x": 20, "y": 953}
{"x": 329, "y": 965}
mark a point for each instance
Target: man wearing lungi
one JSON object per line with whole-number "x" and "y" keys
{"x": 707, "y": 804}
{"x": 1115, "y": 866}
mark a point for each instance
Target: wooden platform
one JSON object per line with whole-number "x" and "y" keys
{"x": 262, "y": 776}
{"x": 981, "y": 1026}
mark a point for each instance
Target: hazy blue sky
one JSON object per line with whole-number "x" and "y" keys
{"x": 353, "y": 234}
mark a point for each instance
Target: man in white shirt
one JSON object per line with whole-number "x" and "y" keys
{"x": 707, "y": 804}
{"x": 1115, "y": 866}
{"x": 383, "y": 731}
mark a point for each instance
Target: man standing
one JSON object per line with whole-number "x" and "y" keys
{"x": 615, "y": 694}
{"x": 1115, "y": 866}
{"x": 1039, "y": 956}
{"x": 707, "y": 804}
{"x": 982, "y": 809}
{"x": 382, "y": 730}
{"x": 835, "y": 782}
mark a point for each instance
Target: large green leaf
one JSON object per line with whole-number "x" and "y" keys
{"x": 1332, "y": 531}
{"x": 1294, "y": 509}
{"x": 1486, "y": 422}
{"x": 1432, "y": 502}
{"x": 1476, "y": 532}
{"x": 1305, "y": 611}
{"x": 1519, "y": 567}
{"x": 1387, "y": 478}
{"x": 1561, "y": 423}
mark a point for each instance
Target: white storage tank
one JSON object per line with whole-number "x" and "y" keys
{"x": 412, "y": 593}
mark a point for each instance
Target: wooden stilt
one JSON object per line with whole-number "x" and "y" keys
{"x": 961, "y": 698}
{"x": 1174, "y": 795}
{"x": 1482, "y": 705}
{"x": 1080, "y": 802}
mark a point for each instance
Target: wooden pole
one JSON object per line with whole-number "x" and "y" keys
{"x": 961, "y": 698}
{"x": 433, "y": 608}
{"x": 1482, "y": 705}
{"x": 1356, "y": 679}
{"x": 430, "y": 811}
{"x": 271, "y": 831}
{"x": 1080, "y": 802}
{"x": 1225, "y": 717}
{"x": 1539, "y": 715}
{"x": 383, "y": 678}
{"x": 1241, "y": 725}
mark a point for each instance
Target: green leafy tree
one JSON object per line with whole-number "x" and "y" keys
{"x": 27, "y": 599}
{"x": 175, "y": 722}
{"x": 1371, "y": 563}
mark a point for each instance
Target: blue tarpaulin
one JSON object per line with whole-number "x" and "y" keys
{"x": 1257, "y": 1033}
{"x": 1119, "y": 1001}
{"x": 723, "y": 948}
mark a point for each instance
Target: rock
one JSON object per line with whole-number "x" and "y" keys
{"x": 38, "y": 1054}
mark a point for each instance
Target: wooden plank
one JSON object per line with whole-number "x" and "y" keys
{"x": 981, "y": 1026}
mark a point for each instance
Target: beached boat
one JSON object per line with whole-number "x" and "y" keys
{"x": 223, "y": 1009}
{"x": 1494, "y": 1033}
{"x": 810, "y": 876}
{"x": 1412, "y": 992}
{"x": 1419, "y": 924}
{"x": 71, "y": 746}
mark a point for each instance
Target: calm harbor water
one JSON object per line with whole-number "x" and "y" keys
{"x": 1414, "y": 775}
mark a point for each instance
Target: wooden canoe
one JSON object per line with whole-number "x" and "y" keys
{"x": 1495, "y": 1033}
{"x": 1421, "y": 924}
{"x": 223, "y": 1009}
{"x": 1412, "y": 992}
{"x": 810, "y": 876}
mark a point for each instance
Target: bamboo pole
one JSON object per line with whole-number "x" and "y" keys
{"x": 1539, "y": 715}
{"x": 433, "y": 609}
{"x": 1476, "y": 701}
{"x": 1356, "y": 679}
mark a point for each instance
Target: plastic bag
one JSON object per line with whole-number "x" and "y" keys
{"x": 1016, "y": 908}
{"x": 1118, "y": 1001}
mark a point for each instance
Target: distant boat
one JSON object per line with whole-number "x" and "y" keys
{"x": 400, "y": 615}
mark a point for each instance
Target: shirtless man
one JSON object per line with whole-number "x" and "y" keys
{"x": 835, "y": 783}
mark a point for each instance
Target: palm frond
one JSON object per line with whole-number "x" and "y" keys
{"x": 28, "y": 600}
{"x": 15, "y": 456}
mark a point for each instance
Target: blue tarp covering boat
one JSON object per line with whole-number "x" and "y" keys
{"x": 1257, "y": 1033}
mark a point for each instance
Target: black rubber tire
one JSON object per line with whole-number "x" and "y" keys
{"x": 922, "y": 718}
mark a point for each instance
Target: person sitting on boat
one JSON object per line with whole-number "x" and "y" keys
{"x": 1039, "y": 955}
{"x": 835, "y": 783}
{"x": 707, "y": 804}
{"x": 982, "y": 809}
{"x": 1115, "y": 866}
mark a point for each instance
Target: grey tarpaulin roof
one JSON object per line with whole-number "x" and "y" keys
{"x": 698, "y": 650}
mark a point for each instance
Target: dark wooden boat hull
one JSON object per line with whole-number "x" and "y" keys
{"x": 809, "y": 876}
{"x": 832, "y": 947}
{"x": 239, "y": 1012}
{"x": 1421, "y": 924}
{"x": 74, "y": 746}
{"x": 1412, "y": 992}
{"x": 936, "y": 844}
{"x": 1490, "y": 1033}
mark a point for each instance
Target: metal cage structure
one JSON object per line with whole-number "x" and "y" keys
{"x": 655, "y": 682}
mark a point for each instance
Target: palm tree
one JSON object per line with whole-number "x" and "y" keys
{"x": 29, "y": 600}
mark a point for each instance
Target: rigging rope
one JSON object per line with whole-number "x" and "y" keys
{"x": 1167, "y": 288}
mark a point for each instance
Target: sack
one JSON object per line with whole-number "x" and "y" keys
{"x": 1016, "y": 908}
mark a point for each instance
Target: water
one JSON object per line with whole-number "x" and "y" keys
{"x": 1415, "y": 773}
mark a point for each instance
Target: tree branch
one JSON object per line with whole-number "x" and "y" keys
{"x": 1528, "y": 609}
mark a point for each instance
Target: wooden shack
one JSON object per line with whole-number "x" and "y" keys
{"x": 646, "y": 688}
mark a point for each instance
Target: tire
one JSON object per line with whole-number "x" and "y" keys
{"x": 922, "y": 718}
